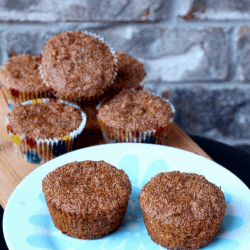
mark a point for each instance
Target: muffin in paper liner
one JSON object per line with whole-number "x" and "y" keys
{"x": 130, "y": 75}
{"x": 84, "y": 101}
{"x": 155, "y": 136}
{"x": 38, "y": 151}
{"x": 14, "y": 96}
{"x": 21, "y": 80}
{"x": 87, "y": 214}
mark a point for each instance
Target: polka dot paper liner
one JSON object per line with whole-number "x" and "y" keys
{"x": 36, "y": 150}
{"x": 14, "y": 96}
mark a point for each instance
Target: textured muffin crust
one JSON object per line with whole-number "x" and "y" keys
{"x": 182, "y": 210}
{"x": 92, "y": 194}
{"x": 135, "y": 110}
{"x": 77, "y": 65}
{"x": 21, "y": 73}
{"x": 44, "y": 120}
{"x": 130, "y": 72}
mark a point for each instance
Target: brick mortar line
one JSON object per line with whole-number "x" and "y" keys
{"x": 209, "y": 85}
{"x": 173, "y": 22}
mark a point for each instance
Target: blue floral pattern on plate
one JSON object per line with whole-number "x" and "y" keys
{"x": 132, "y": 233}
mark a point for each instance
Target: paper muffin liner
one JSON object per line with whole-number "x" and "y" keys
{"x": 154, "y": 136}
{"x": 14, "y": 96}
{"x": 36, "y": 150}
{"x": 90, "y": 100}
{"x": 87, "y": 227}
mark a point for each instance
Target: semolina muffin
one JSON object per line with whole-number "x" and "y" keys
{"x": 21, "y": 80}
{"x": 130, "y": 74}
{"x": 182, "y": 210}
{"x": 78, "y": 66}
{"x": 136, "y": 116}
{"x": 87, "y": 199}
{"x": 45, "y": 128}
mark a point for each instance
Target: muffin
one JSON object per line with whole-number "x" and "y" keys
{"x": 78, "y": 66}
{"x": 135, "y": 116}
{"x": 130, "y": 74}
{"x": 21, "y": 80}
{"x": 43, "y": 129}
{"x": 87, "y": 199}
{"x": 182, "y": 210}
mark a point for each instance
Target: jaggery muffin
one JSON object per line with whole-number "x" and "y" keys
{"x": 21, "y": 80}
{"x": 78, "y": 66}
{"x": 182, "y": 210}
{"x": 87, "y": 199}
{"x": 130, "y": 74}
{"x": 136, "y": 116}
{"x": 43, "y": 129}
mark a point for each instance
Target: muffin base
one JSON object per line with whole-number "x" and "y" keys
{"x": 13, "y": 96}
{"x": 40, "y": 152}
{"x": 176, "y": 238}
{"x": 88, "y": 226}
{"x": 155, "y": 136}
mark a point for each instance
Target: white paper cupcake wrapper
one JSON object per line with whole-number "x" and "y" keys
{"x": 79, "y": 101}
{"x": 47, "y": 149}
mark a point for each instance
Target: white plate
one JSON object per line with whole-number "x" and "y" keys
{"x": 28, "y": 225}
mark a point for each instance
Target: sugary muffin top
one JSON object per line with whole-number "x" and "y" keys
{"x": 87, "y": 187}
{"x": 21, "y": 73}
{"x": 130, "y": 72}
{"x": 136, "y": 110}
{"x": 182, "y": 198}
{"x": 77, "y": 65}
{"x": 44, "y": 120}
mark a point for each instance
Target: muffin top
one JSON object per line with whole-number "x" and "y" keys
{"x": 77, "y": 65}
{"x": 21, "y": 73}
{"x": 130, "y": 72}
{"x": 135, "y": 110}
{"x": 87, "y": 187}
{"x": 44, "y": 120}
{"x": 182, "y": 198}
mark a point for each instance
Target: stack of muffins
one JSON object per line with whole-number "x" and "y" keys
{"x": 78, "y": 69}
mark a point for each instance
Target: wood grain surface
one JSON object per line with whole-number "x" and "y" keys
{"x": 13, "y": 168}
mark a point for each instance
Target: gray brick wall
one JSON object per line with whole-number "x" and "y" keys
{"x": 195, "y": 52}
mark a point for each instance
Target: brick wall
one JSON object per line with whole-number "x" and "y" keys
{"x": 196, "y": 52}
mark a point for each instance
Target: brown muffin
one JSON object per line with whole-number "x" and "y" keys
{"x": 45, "y": 128}
{"x": 87, "y": 199}
{"x": 135, "y": 116}
{"x": 130, "y": 74}
{"x": 77, "y": 66}
{"x": 182, "y": 210}
{"x": 21, "y": 79}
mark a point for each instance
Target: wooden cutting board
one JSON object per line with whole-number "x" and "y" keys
{"x": 13, "y": 168}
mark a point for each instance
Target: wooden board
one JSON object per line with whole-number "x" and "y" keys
{"x": 13, "y": 168}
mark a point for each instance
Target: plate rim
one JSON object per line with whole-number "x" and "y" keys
{"x": 5, "y": 234}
